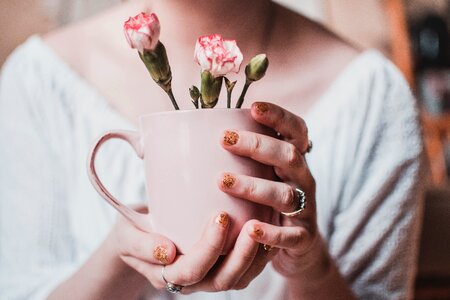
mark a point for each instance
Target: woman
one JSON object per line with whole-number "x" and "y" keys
{"x": 356, "y": 238}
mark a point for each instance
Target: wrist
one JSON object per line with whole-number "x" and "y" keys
{"x": 320, "y": 279}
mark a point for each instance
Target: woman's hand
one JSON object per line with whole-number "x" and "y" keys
{"x": 296, "y": 235}
{"x": 295, "y": 238}
{"x": 147, "y": 252}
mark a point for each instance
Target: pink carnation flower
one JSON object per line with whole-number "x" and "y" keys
{"x": 142, "y": 31}
{"x": 217, "y": 56}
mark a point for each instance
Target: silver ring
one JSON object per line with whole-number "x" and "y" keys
{"x": 267, "y": 248}
{"x": 171, "y": 287}
{"x": 310, "y": 146}
{"x": 301, "y": 205}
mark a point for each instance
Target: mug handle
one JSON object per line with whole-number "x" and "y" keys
{"x": 140, "y": 220}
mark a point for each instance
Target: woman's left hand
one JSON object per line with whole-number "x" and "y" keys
{"x": 295, "y": 238}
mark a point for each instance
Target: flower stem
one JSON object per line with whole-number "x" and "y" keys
{"x": 244, "y": 91}
{"x": 172, "y": 98}
{"x": 230, "y": 86}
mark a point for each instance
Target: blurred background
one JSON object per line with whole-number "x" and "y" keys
{"x": 414, "y": 34}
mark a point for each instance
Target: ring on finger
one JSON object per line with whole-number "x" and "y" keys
{"x": 171, "y": 287}
{"x": 267, "y": 248}
{"x": 301, "y": 204}
{"x": 309, "y": 147}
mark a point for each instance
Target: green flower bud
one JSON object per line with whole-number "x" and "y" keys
{"x": 257, "y": 67}
{"x": 195, "y": 95}
{"x": 158, "y": 66}
{"x": 194, "y": 92}
{"x": 210, "y": 89}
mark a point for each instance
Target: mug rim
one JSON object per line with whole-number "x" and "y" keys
{"x": 190, "y": 111}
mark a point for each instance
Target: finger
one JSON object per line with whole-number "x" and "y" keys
{"x": 192, "y": 267}
{"x": 150, "y": 271}
{"x": 259, "y": 263}
{"x": 263, "y": 148}
{"x": 295, "y": 238}
{"x": 286, "y": 123}
{"x": 228, "y": 273}
{"x": 149, "y": 247}
{"x": 278, "y": 195}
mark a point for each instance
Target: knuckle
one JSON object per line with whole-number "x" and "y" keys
{"x": 256, "y": 144}
{"x": 288, "y": 199}
{"x": 304, "y": 128}
{"x": 293, "y": 155}
{"x": 193, "y": 276}
{"x": 222, "y": 285}
{"x": 250, "y": 189}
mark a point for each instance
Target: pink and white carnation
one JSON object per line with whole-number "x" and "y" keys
{"x": 217, "y": 56}
{"x": 142, "y": 31}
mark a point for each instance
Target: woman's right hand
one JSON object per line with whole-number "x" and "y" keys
{"x": 148, "y": 252}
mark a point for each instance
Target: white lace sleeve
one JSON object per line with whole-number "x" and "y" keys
{"x": 35, "y": 253}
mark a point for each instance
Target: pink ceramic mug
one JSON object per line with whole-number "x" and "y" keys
{"x": 183, "y": 160}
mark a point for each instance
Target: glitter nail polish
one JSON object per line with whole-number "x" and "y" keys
{"x": 230, "y": 138}
{"x": 222, "y": 220}
{"x": 160, "y": 253}
{"x": 261, "y": 108}
{"x": 228, "y": 181}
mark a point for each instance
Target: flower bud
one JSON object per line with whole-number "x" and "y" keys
{"x": 195, "y": 95}
{"x": 158, "y": 66}
{"x": 257, "y": 67}
{"x": 194, "y": 92}
{"x": 210, "y": 89}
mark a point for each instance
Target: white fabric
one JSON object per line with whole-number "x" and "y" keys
{"x": 366, "y": 161}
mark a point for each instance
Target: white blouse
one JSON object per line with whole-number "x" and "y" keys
{"x": 366, "y": 162}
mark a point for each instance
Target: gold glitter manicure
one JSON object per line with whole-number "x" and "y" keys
{"x": 160, "y": 253}
{"x": 258, "y": 231}
{"x": 261, "y": 108}
{"x": 228, "y": 181}
{"x": 230, "y": 138}
{"x": 222, "y": 220}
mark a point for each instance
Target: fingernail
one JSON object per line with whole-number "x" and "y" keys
{"x": 160, "y": 253}
{"x": 228, "y": 181}
{"x": 261, "y": 108}
{"x": 222, "y": 220}
{"x": 230, "y": 138}
{"x": 258, "y": 231}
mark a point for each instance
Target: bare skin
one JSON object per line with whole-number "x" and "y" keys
{"x": 305, "y": 60}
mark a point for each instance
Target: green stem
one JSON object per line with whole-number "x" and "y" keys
{"x": 172, "y": 98}
{"x": 244, "y": 91}
{"x": 229, "y": 98}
